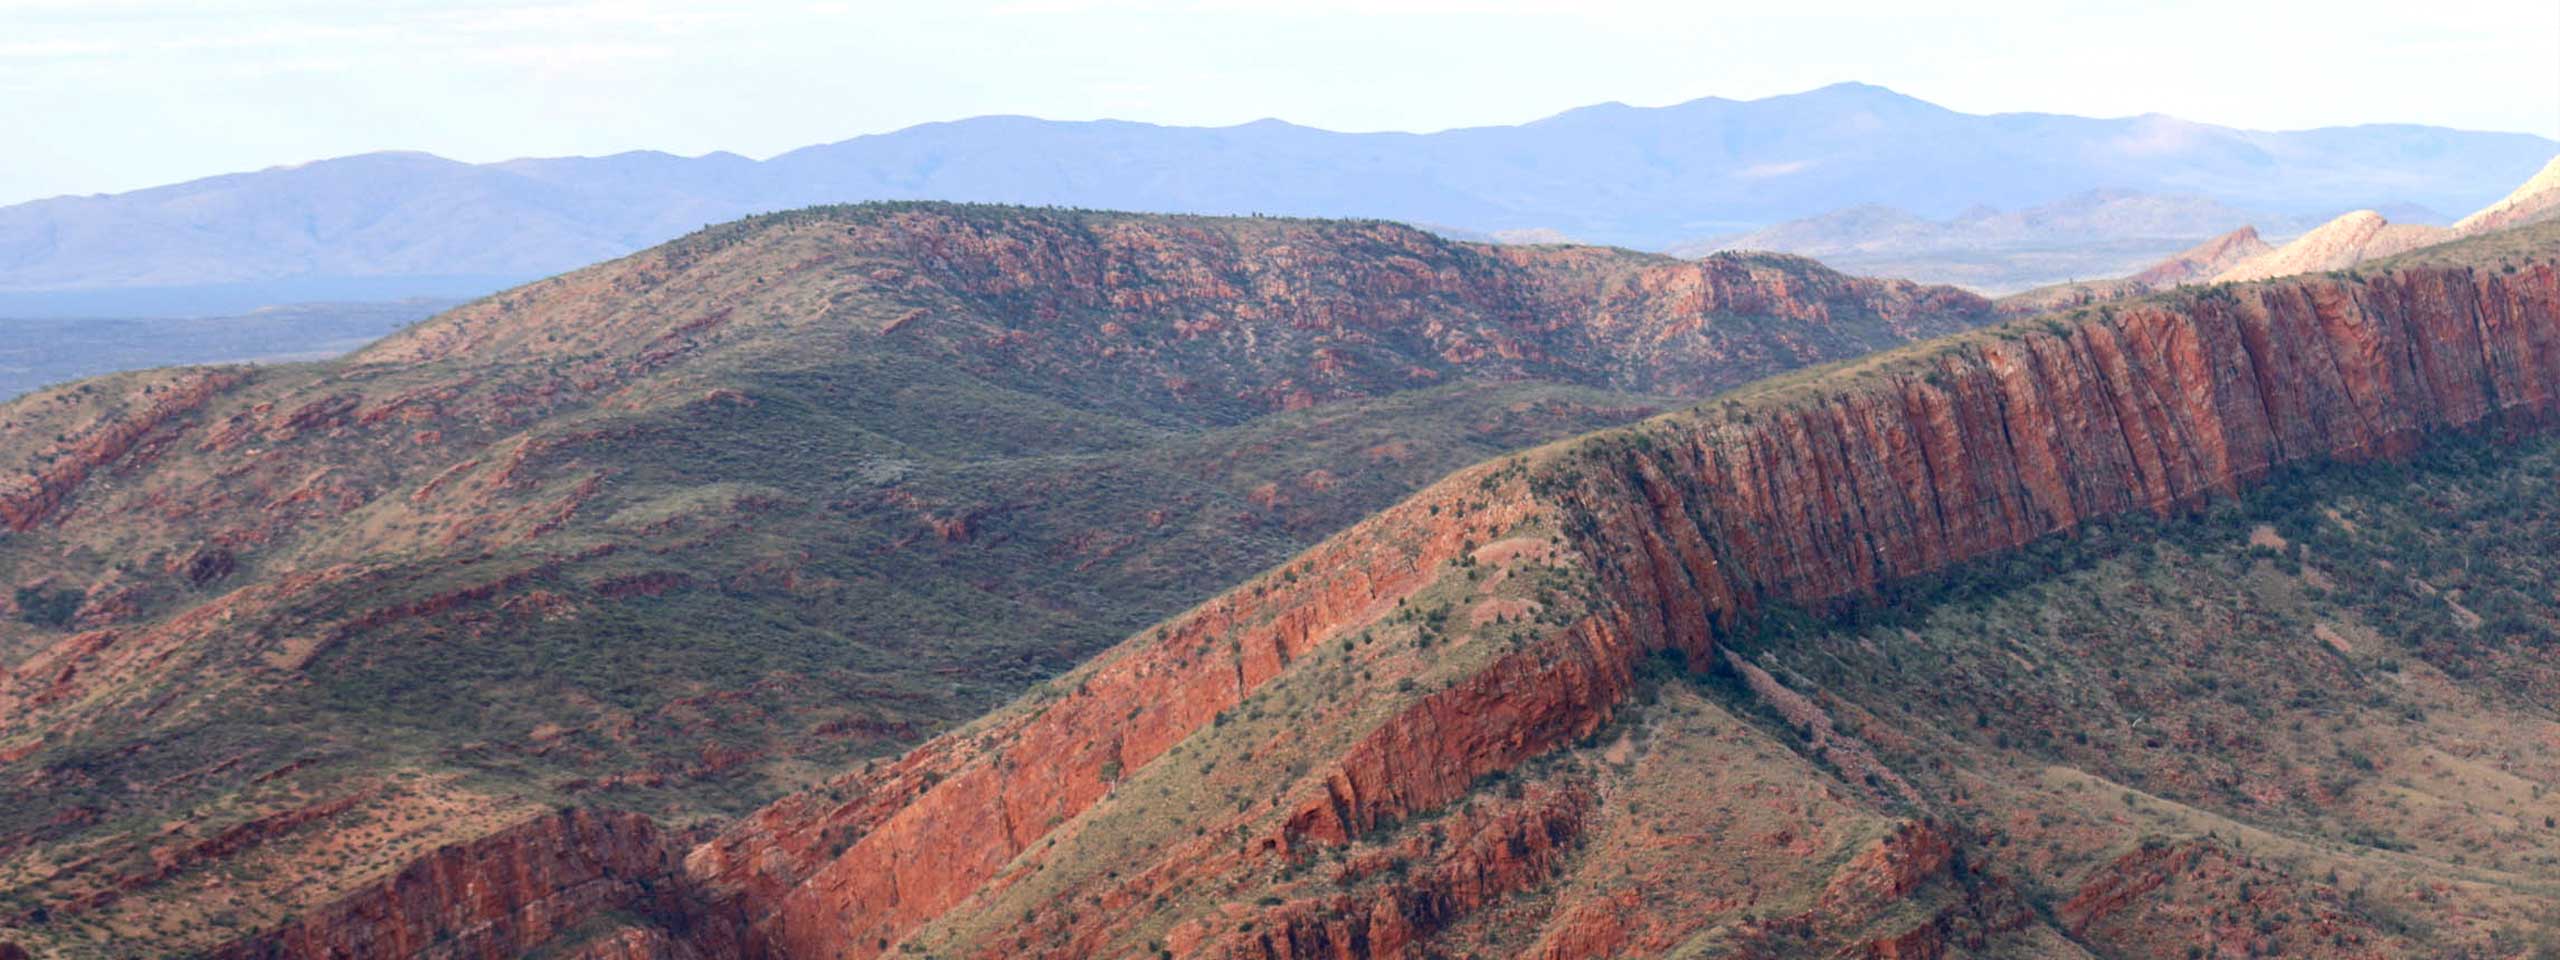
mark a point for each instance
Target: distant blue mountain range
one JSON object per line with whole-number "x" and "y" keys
{"x": 406, "y": 224}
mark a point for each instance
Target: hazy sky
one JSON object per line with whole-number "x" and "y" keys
{"x": 105, "y": 95}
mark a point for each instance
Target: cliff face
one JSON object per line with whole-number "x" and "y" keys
{"x": 1355, "y": 709}
{"x": 496, "y": 897}
{"x": 1472, "y": 722}
{"x": 1807, "y": 494}
{"x": 671, "y": 532}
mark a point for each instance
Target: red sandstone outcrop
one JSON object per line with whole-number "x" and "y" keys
{"x": 816, "y": 874}
{"x": 497, "y": 897}
{"x": 1979, "y": 446}
{"x": 238, "y": 533}
{"x": 1800, "y": 492}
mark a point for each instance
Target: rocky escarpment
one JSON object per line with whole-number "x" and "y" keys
{"x": 1445, "y": 729}
{"x": 1801, "y": 491}
{"x": 500, "y": 896}
{"x": 1805, "y": 493}
{"x": 676, "y": 532}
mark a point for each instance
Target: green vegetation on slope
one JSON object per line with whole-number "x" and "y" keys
{"x": 683, "y": 531}
{"x": 2345, "y": 678}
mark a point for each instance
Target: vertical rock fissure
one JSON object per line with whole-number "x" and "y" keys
{"x": 1929, "y": 470}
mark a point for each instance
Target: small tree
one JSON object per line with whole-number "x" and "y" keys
{"x": 48, "y": 608}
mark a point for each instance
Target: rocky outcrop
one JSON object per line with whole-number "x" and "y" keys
{"x": 1649, "y": 539}
{"x": 1832, "y": 490}
{"x": 26, "y": 500}
{"x": 499, "y": 897}
{"x": 754, "y": 425}
{"x": 1202, "y": 313}
{"x": 921, "y": 834}
{"x": 1494, "y": 854}
{"x": 1800, "y": 492}
{"x": 2174, "y": 898}
{"x": 2350, "y": 239}
{"x": 2204, "y": 260}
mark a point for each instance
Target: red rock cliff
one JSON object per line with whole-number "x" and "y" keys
{"x": 922, "y": 833}
{"x": 1799, "y": 491}
{"x": 1831, "y": 489}
{"x": 233, "y": 534}
{"x": 493, "y": 898}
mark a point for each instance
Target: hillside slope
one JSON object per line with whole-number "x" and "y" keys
{"x": 681, "y": 532}
{"x": 38, "y": 352}
{"x": 412, "y": 224}
{"x": 2081, "y": 636}
{"x": 1557, "y": 706}
{"x": 2339, "y": 244}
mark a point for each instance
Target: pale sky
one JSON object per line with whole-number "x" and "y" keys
{"x": 108, "y": 95}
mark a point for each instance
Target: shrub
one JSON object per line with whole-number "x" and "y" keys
{"x": 48, "y": 608}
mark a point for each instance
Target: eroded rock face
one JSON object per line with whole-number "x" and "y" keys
{"x": 1385, "y": 747}
{"x": 1799, "y": 492}
{"x": 501, "y": 896}
{"x": 1975, "y": 449}
{"x": 815, "y": 875}
{"x": 218, "y": 574}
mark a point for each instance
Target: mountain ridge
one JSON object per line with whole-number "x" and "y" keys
{"x": 2341, "y": 243}
{"x": 1739, "y": 163}
{"x": 1798, "y": 491}
{"x": 1398, "y": 742}
{"x": 672, "y": 533}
